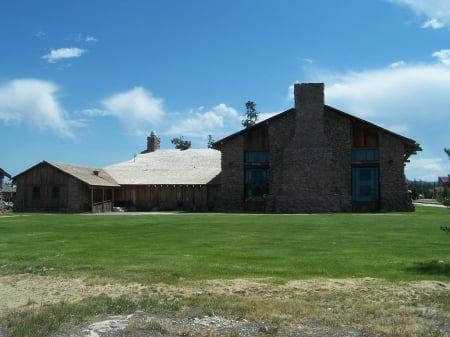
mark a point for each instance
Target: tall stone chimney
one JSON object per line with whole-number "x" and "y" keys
{"x": 153, "y": 143}
{"x": 315, "y": 170}
{"x": 309, "y": 105}
{"x": 307, "y": 154}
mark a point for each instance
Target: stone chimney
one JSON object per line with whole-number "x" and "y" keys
{"x": 153, "y": 143}
{"x": 309, "y": 105}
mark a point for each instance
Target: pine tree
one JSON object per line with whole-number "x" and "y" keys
{"x": 180, "y": 143}
{"x": 251, "y": 115}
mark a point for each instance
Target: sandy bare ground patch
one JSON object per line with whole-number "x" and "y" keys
{"x": 338, "y": 298}
{"x": 18, "y": 292}
{"x": 22, "y": 291}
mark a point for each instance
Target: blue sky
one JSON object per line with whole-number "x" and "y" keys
{"x": 85, "y": 82}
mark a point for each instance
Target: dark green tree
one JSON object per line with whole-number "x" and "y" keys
{"x": 448, "y": 152}
{"x": 251, "y": 114}
{"x": 210, "y": 141}
{"x": 180, "y": 143}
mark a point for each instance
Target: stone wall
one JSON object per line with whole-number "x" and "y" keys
{"x": 280, "y": 132}
{"x": 310, "y": 161}
{"x": 310, "y": 165}
{"x": 339, "y": 134}
{"x": 393, "y": 187}
{"x": 232, "y": 177}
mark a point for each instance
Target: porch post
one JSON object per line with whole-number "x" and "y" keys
{"x": 112, "y": 198}
{"x": 103, "y": 200}
{"x": 92, "y": 199}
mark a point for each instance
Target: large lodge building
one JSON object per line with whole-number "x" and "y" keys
{"x": 311, "y": 158}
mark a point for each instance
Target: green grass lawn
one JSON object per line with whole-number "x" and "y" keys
{"x": 167, "y": 248}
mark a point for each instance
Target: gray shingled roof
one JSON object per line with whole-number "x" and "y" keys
{"x": 171, "y": 167}
{"x": 88, "y": 175}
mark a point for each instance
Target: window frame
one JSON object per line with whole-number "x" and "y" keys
{"x": 256, "y": 161}
{"x": 359, "y": 183}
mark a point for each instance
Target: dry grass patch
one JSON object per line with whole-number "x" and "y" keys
{"x": 372, "y": 306}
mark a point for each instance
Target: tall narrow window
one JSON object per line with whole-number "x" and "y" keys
{"x": 365, "y": 158}
{"x": 365, "y": 182}
{"x": 256, "y": 183}
{"x": 256, "y": 176}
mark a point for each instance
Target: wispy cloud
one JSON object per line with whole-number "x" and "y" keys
{"x": 137, "y": 108}
{"x": 39, "y": 34}
{"x": 443, "y": 56}
{"x": 200, "y": 122}
{"x": 433, "y": 23}
{"x": 63, "y": 53}
{"x": 407, "y": 98}
{"x": 87, "y": 38}
{"x": 397, "y": 64}
{"x": 90, "y": 39}
{"x": 34, "y": 102}
{"x": 436, "y": 12}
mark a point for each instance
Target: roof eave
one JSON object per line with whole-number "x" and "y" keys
{"x": 411, "y": 146}
{"x": 217, "y": 145}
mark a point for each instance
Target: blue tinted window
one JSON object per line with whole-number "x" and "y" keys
{"x": 365, "y": 155}
{"x": 256, "y": 184}
{"x": 256, "y": 157}
{"x": 365, "y": 182}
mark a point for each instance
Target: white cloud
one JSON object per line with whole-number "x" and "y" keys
{"x": 90, "y": 39}
{"x": 200, "y": 123}
{"x": 63, "y": 53}
{"x": 93, "y": 112}
{"x": 428, "y": 169}
{"x": 436, "y": 11}
{"x": 40, "y": 34}
{"x": 34, "y": 103}
{"x": 397, "y": 64}
{"x": 409, "y": 99}
{"x": 433, "y": 23}
{"x": 390, "y": 94}
{"x": 87, "y": 38}
{"x": 266, "y": 115}
{"x": 136, "y": 108}
{"x": 443, "y": 56}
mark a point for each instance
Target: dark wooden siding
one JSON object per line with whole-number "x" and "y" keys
{"x": 257, "y": 138}
{"x": 364, "y": 136}
{"x": 45, "y": 188}
{"x": 167, "y": 197}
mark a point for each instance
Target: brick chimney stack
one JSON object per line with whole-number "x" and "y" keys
{"x": 153, "y": 143}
